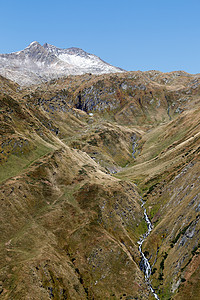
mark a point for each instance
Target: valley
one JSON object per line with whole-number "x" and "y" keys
{"x": 77, "y": 153}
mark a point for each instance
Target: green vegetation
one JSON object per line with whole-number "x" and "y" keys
{"x": 16, "y": 165}
{"x": 195, "y": 250}
{"x": 162, "y": 266}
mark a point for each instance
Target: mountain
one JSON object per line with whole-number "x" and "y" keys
{"x": 77, "y": 156}
{"x": 88, "y": 63}
{"x": 36, "y": 64}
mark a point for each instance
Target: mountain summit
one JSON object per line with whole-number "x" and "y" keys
{"x": 37, "y": 63}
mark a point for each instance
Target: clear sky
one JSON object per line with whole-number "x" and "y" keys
{"x": 134, "y": 35}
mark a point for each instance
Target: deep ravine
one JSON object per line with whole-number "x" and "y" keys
{"x": 144, "y": 263}
{"x": 134, "y": 145}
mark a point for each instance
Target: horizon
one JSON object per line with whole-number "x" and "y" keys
{"x": 134, "y": 36}
{"x": 101, "y": 58}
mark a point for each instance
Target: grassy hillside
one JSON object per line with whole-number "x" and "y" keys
{"x": 76, "y": 155}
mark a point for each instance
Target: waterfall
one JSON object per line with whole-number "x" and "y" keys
{"x": 144, "y": 263}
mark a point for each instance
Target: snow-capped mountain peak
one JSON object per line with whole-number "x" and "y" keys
{"x": 33, "y": 44}
{"x": 81, "y": 59}
{"x": 38, "y": 63}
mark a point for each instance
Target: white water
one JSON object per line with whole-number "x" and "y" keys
{"x": 145, "y": 265}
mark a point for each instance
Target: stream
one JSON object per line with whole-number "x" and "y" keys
{"x": 144, "y": 263}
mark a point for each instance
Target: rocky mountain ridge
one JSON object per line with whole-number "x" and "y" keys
{"x": 36, "y": 64}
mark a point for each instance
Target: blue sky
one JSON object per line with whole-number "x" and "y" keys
{"x": 134, "y": 35}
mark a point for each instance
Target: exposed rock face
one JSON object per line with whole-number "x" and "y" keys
{"x": 36, "y": 64}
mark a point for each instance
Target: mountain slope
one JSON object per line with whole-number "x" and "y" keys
{"x": 88, "y": 63}
{"x": 69, "y": 231}
{"x": 76, "y": 155}
{"x": 36, "y": 64}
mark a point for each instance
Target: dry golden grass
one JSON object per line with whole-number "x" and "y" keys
{"x": 69, "y": 228}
